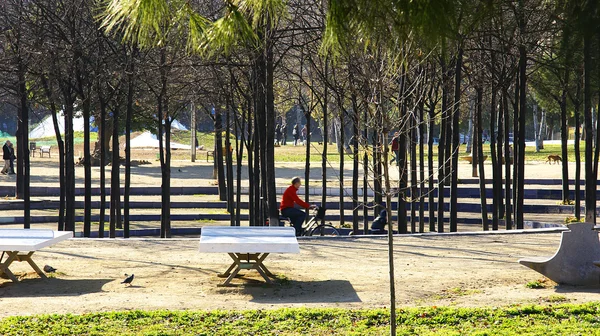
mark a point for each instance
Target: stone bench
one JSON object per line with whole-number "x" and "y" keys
{"x": 577, "y": 260}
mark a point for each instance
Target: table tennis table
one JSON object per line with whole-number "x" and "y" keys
{"x": 248, "y": 246}
{"x": 21, "y": 244}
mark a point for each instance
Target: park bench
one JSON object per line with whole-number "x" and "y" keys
{"x": 32, "y": 148}
{"x": 248, "y": 246}
{"x": 45, "y": 150}
{"x": 21, "y": 244}
{"x": 575, "y": 262}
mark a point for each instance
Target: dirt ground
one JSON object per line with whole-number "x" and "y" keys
{"x": 462, "y": 270}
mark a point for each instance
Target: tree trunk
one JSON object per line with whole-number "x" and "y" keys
{"x": 390, "y": 236}
{"x": 413, "y": 175}
{"x": 69, "y": 165}
{"x": 365, "y": 187}
{"x": 270, "y": 136}
{"x": 577, "y": 153}
{"x": 564, "y": 138}
{"x": 87, "y": 164}
{"x": 477, "y": 139}
{"x": 103, "y": 136}
{"x": 355, "y": 159}
{"x": 218, "y": 154}
{"x": 590, "y": 179}
{"x": 23, "y": 164}
{"x": 442, "y": 144}
{"x": 128, "y": 117}
{"x": 229, "y": 167}
{"x": 455, "y": 142}
{"x": 115, "y": 185}
{"x": 496, "y": 158}
{"x": 508, "y": 160}
{"x": 422, "y": 190}
{"x": 325, "y": 139}
{"x": 430, "y": 167}
{"x": 342, "y": 141}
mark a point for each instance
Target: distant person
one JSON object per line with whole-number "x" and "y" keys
{"x": 283, "y": 133}
{"x": 288, "y": 209}
{"x": 395, "y": 148}
{"x": 278, "y": 134}
{"x": 12, "y": 159}
{"x": 6, "y": 157}
{"x": 304, "y": 134}
{"x": 296, "y": 133}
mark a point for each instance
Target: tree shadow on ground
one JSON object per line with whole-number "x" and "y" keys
{"x": 286, "y": 291}
{"x": 38, "y": 287}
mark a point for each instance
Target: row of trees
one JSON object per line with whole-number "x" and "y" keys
{"x": 371, "y": 68}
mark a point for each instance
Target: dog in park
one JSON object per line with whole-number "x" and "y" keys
{"x": 553, "y": 158}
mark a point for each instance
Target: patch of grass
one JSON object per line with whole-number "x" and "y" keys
{"x": 455, "y": 292}
{"x": 537, "y": 284}
{"x": 555, "y": 298}
{"x": 530, "y": 320}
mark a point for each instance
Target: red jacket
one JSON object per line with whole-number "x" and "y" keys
{"x": 290, "y": 197}
{"x": 395, "y": 144}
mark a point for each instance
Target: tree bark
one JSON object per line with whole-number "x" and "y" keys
{"x": 477, "y": 139}
{"x": 455, "y": 142}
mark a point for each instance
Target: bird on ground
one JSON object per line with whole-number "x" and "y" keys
{"x": 49, "y": 269}
{"x": 128, "y": 280}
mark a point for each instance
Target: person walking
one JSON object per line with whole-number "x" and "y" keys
{"x": 283, "y": 133}
{"x": 278, "y": 134}
{"x": 12, "y": 159}
{"x": 6, "y": 157}
{"x": 395, "y": 149}
{"x": 288, "y": 209}
{"x": 296, "y": 133}
{"x": 304, "y": 134}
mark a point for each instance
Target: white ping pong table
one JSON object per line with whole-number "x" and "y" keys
{"x": 248, "y": 246}
{"x": 21, "y": 244}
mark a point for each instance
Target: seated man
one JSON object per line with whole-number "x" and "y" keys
{"x": 290, "y": 197}
{"x": 378, "y": 225}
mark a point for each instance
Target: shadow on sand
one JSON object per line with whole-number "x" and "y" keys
{"x": 51, "y": 287}
{"x": 293, "y": 291}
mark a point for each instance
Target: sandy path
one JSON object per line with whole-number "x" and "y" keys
{"x": 465, "y": 270}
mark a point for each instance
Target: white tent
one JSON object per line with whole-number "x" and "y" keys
{"x": 175, "y": 124}
{"x": 149, "y": 140}
{"x": 46, "y": 127}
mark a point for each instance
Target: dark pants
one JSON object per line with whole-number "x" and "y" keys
{"x": 395, "y": 158}
{"x": 297, "y": 217}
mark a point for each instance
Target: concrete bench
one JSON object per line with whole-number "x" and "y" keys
{"x": 575, "y": 262}
{"x": 248, "y": 246}
{"x": 21, "y": 244}
{"x": 45, "y": 150}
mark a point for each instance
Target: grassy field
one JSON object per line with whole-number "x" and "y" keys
{"x": 527, "y": 320}
{"x": 291, "y": 153}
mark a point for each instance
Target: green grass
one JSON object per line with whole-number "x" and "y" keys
{"x": 291, "y": 153}
{"x": 566, "y": 319}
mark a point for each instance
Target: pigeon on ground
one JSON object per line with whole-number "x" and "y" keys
{"x": 49, "y": 269}
{"x": 128, "y": 280}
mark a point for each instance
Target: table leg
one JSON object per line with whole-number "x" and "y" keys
{"x": 262, "y": 265}
{"x": 12, "y": 256}
{"x": 27, "y": 257}
{"x": 247, "y": 261}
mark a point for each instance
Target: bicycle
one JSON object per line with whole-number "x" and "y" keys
{"x": 315, "y": 225}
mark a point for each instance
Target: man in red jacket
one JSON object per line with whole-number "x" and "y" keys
{"x": 290, "y": 197}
